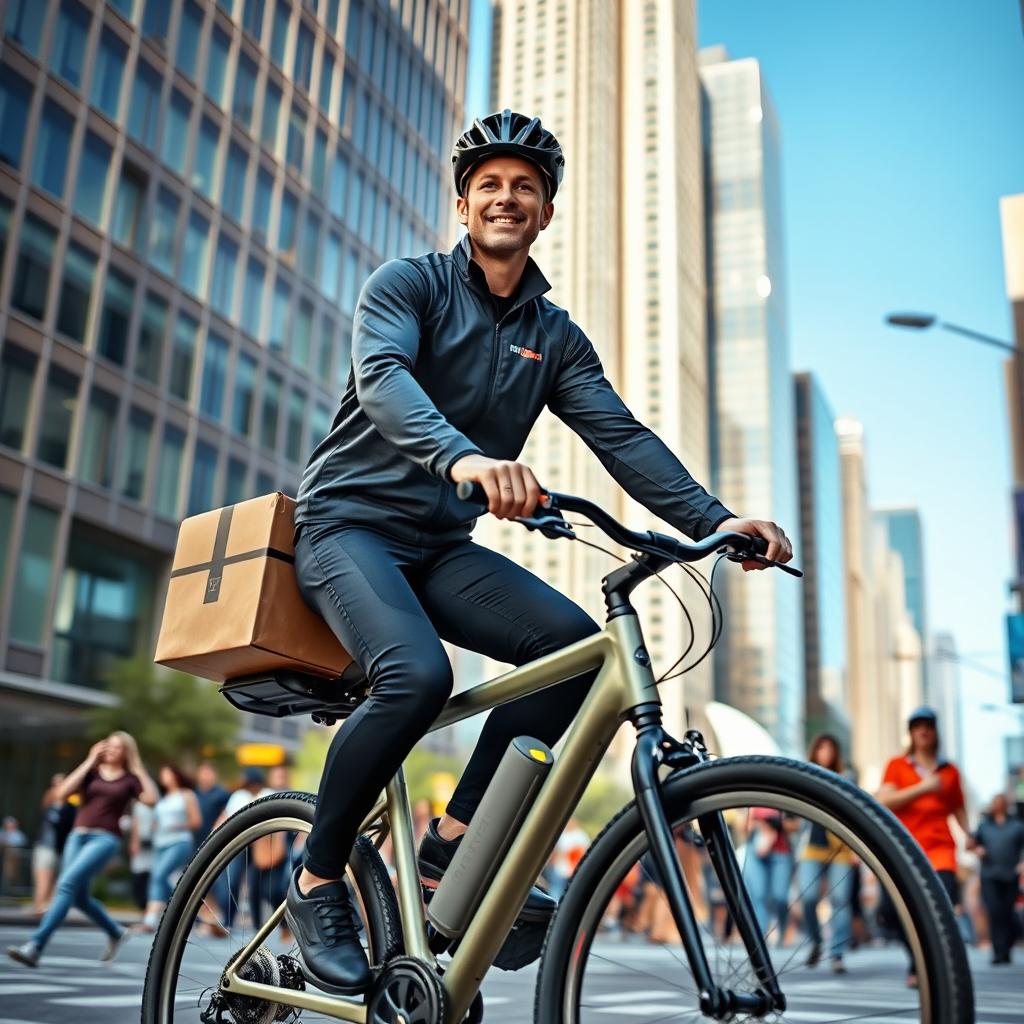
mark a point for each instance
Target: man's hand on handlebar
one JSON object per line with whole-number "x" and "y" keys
{"x": 779, "y": 547}
{"x": 512, "y": 489}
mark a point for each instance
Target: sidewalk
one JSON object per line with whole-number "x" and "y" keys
{"x": 20, "y": 915}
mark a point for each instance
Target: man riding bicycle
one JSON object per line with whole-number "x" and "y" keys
{"x": 454, "y": 356}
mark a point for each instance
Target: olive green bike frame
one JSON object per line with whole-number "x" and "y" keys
{"x": 624, "y": 682}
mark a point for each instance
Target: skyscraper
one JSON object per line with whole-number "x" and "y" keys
{"x": 760, "y": 669}
{"x": 617, "y": 84}
{"x": 821, "y": 532}
{"x": 190, "y": 199}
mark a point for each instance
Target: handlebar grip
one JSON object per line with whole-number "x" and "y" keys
{"x": 469, "y": 490}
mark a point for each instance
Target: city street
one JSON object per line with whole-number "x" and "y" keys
{"x": 72, "y": 985}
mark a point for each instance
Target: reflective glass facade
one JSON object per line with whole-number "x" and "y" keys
{"x": 760, "y": 661}
{"x": 187, "y": 210}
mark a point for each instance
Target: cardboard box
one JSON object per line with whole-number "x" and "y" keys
{"x": 233, "y": 606}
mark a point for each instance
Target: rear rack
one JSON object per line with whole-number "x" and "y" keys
{"x": 290, "y": 692}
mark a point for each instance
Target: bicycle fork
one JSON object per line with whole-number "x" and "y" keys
{"x": 654, "y": 748}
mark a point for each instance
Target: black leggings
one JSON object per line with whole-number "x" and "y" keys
{"x": 390, "y": 602}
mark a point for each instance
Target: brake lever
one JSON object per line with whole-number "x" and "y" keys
{"x": 552, "y": 527}
{"x": 735, "y": 556}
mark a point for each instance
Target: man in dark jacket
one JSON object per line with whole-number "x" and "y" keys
{"x": 454, "y": 356}
{"x": 1000, "y": 845}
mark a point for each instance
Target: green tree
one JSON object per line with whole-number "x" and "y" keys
{"x": 172, "y": 715}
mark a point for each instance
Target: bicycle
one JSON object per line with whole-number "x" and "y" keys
{"x": 687, "y": 804}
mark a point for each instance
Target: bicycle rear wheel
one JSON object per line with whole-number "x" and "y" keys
{"x": 228, "y": 891}
{"x": 606, "y": 956}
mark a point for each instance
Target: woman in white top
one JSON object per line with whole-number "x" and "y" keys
{"x": 176, "y": 816}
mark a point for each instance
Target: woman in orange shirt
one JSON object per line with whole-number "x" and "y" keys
{"x": 923, "y": 790}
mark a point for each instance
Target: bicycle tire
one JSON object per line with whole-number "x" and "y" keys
{"x": 366, "y": 872}
{"x": 948, "y": 996}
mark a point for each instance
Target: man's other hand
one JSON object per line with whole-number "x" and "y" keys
{"x": 779, "y": 547}
{"x": 512, "y": 489}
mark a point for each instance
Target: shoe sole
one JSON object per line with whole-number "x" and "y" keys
{"x": 22, "y": 959}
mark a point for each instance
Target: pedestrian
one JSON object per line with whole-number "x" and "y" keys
{"x": 212, "y": 797}
{"x": 271, "y": 859}
{"x": 768, "y": 866}
{"x": 140, "y": 851}
{"x": 1000, "y": 846}
{"x": 58, "y": 816}
{"x": 923, "y": 790}
{"x": 824, "y": 859}
{"x": 12, "y": 843}
{"x": 111, "y": 776}
{"x": 568, "y": 852}
{"x": 176, "y": 818}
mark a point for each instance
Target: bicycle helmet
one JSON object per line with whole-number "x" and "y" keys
{"x": 508, "y": 134}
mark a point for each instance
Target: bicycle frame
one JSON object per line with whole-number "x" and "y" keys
{"x": 624, "y": 690}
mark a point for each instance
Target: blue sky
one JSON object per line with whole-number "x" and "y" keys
{"x": 900, "y": 129}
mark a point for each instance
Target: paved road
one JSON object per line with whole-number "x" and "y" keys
{"x": 72, "y": 986}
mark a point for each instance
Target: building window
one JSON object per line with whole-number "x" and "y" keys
{"x": 189, "y": 30}
{"x": 330, "y": 267}
{"x": 271, "y": 116}
{"x": 91, "y": 190}
{"x": 168, "y": 479}
{"x": 175, "y": 143}
{"x": 245, "y": 91}
{"x": 69, "y": 42}
{"x": 252, "y": 18}
{"x": 222, "y": 292}
{"x": 319, "y": 171}
{"x": 252, "y": 300}
{"x": 150, "y": 348}
{"x": 261, "y": 205}
{"x": 128, "y": 208}
{"x": 234, "y": 486}
{"x": 135, "y": 457}
{"x": 215, "y": 363}
{"x": 30, "y": 604}
{"x": 326, "y": 350}
{"x": 58, "y": 413}
{"x": 279, "y": 39}
{"x": 108, "y": 74}
{"x": 279, "y": 316}
{"x": 96, "y": 465}
{"x": 205, "y": 169}
{"x": 321, "y": 425}
{"x": 296, "y": 139}
{"x": 293, "y": 440}
{"x": 161, "y": 232}
{"x": 271, "y": 411}
{"x": 142, "y": 116}
{"x": 118, "y": 294}
{"x": 216, "y": 66}
{"x": 182, "y": 355}
{"x": 303, "y": 339}
{"x": 286, "y": 227}
{"x": 303, "y": 66}
{"x": 17, "y": 374}
{"x": 264, "y": 483}
{"x": 32, "y": 272}
{"x": 233, "y": 194}
{"x": 245, "y": 392}
{"x": 15, "y": 94}
{"x": 126, "y": 7}
{"x": 73, "y": 311}
{"x": 24, "y": 24}
{"x": 339, "y": 180}
{"x": 192, "y": 273}
{"x": 50, "y": 163}
{"x": 310, "y": 245}
{"x": 326, "y": 82}
{"x": 155, "y": 19}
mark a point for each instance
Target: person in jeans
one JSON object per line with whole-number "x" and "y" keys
{"x": 176, "y": 818}
{"x": 107, "y": 780}
{"x": 768, "y": 867}
{"x": 824, "y": 859}
{"x": 1000, "y": 846}
{"x": 923, "y": 790}
{"x": 454, "y": 357}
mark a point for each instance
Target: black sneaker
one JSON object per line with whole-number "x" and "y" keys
{"x": 436, "y": 854}
{"x": 326, "y": 928}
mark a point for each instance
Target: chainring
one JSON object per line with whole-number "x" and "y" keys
{"x": 407, "y": 991}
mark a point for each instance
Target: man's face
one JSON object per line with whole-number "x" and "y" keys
{"x": 505, "y": 206}
{"x": 923, "y": 733}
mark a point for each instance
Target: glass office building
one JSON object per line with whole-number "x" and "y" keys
{"x": 759, "y": 668}
{"x": 191, "y": 195}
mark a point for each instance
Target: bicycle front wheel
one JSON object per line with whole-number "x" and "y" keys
{"x": 228, "y": 891}
{"x": 817, "y": 854}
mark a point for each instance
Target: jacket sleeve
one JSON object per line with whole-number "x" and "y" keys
{"x": 385, "y": 344}
{"x": 633, "y": 454}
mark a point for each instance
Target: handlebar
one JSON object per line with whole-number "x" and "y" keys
{"x": 547, "y": 518}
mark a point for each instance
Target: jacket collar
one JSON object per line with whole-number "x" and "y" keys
{"x": 531, "y": 285}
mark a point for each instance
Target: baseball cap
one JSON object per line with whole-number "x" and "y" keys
{"x": 922, "y": 714}
{"x": 253, "y": 776}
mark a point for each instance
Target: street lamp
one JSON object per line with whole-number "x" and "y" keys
{"x": 922, "y": 321}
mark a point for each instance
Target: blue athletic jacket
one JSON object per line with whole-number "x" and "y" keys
{"x": 436, "y": 376}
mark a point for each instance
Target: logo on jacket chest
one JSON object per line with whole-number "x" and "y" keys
{"x": 526, "y": 353}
